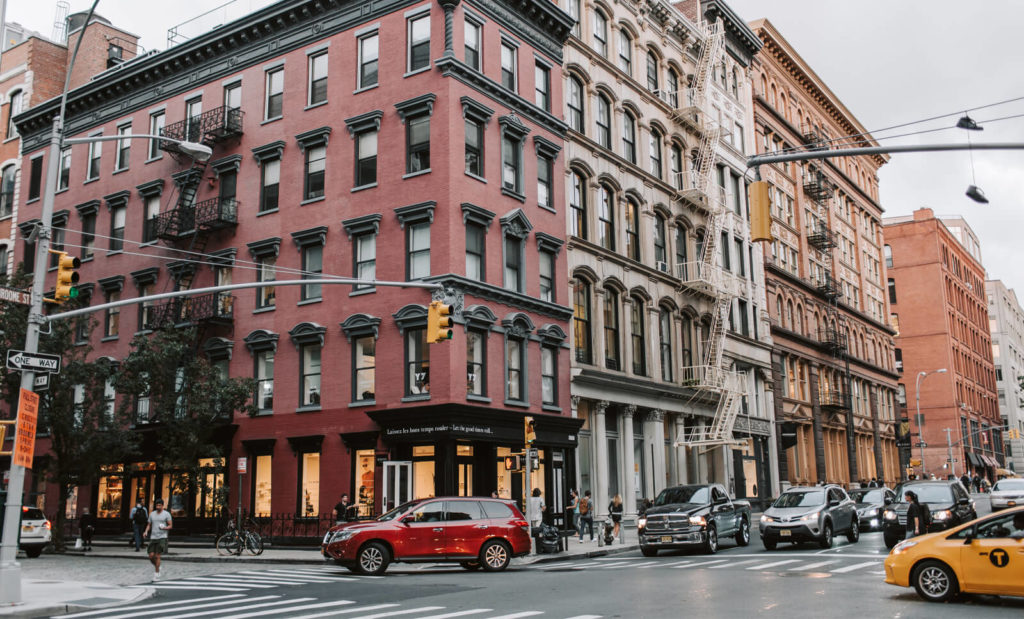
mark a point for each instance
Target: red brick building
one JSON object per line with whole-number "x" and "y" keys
{"x": 398, "y": 140}
{"x": 937, "y": 295}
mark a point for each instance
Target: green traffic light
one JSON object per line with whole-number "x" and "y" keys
{"x": 73, "y": 292}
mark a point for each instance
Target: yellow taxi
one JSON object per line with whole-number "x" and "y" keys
{"x": 985, "y": 555}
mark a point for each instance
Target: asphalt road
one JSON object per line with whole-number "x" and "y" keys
{"x": 792, "y": 582}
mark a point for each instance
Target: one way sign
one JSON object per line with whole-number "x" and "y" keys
{"x": 37, "y": 362}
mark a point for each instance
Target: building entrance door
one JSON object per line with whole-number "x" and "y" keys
{"x": 397, "y": 483}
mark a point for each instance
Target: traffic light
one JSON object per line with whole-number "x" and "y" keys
{"x": 67, "y": 277}
{"x": 530, "y": 431}
{"x": 514, "y": 462}
{"x": 439, "y": 322}
{"x": 760, "y": 211}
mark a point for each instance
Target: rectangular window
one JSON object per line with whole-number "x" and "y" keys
{"x": 514, "y": 370}
{"x": 364, "y": 366}
{"x": 542, "y": 85}
{"x": 274, "y": 104}
{"x": 744, "y": 323}
{"x": 511, "y": 174}
{"x": 365, "y": 259}
{"x": 476, "y": 377}
{"x": 513, "y": 264}
{"x": 193, "y": 119}
{"x": 35, "y": 179}
{"x": 124, "y": 147}
{"x": 232, "y": 102}
{"x": 150, "y": 214}
{"x": 366, "y": 158}
{"x": 88, "y": 235}
{"x": 112, "y": 318}
{"x": 473, "y": 35}
{"x": 549, "y": 375}
{"x": 317, "y": 79}
{"x": 475, "y": 252}
{"x": 547, "y": 276}
{"x": 508, "y": 66}
{"x": 310, "y": 371}
{"x": 418, "y": 258}
{"x": 266, "y": 271}
{"x": 417, "y": 136}
{"x": 741, "y": 267}
{"x": 263, "y": 474}
{"x": 64, "y": 179}
{"x": 156, "y": 127}
{"x": 265, "y": 380}
{"x": 316, "y": 163}
{"x": 312, "y": 268}
{"x": 545, "y": 170}
{"x": 369, "y": 60}
{"x": 270, "y": 172}
{"x": 574, "y": 12}
{"x": 95, "y": 155}
{"x": 117, "y": 216}
{"x": 419, "y": 42}
{"x": 228, "y": 188}
{"x": 310, "y": 497}
{"x": 146, "y": 308}
{"x": 417, "y": 354}
{"x": 474, "y": 148}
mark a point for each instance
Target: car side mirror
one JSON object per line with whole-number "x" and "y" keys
{"x": 964, "y": 501}
{"x": 887, "y": 500}
{"x": 833, "y": 502}
{"x": 406, "y": 520}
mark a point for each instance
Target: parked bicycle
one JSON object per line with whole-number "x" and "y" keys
{"x": 235, "y": 541}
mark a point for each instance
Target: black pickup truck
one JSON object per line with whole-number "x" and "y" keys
{"x": 694, "y": 515}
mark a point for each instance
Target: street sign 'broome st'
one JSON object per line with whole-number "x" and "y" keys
{"x": 13, "y": 295}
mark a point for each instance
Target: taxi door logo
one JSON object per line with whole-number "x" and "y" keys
{"x": 999, "y": 557}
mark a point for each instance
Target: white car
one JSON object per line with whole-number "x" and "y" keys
{"x": 1007, "y": 493}
{"x": 35, "y": 533}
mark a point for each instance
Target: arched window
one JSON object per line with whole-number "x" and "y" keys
{"x": 629, "y": 137}
{"x": 652, "y": 71}
{"x": 676, "y": 163}
{"x": 764, "y": 86}
{"x": 625, "y": 52}
{"x": 789, "y": 315}
{"x": 780, "y": 308}
{"x": 887, "y": 250}
{"x": 700, "y": 244}
{"x": 16, "y": 107}
{"x": 575, "y": 103}
{"x": 892, "y": 290}
{"x": 606, "y": 218}
{"x": 660, "y": 247}
{"x": 638, "y": 336}
{"x": 672, "y": 88}
{"x": 612, "y": 355}
{"x": 604, "y": 121}
{"x": 782, "y": 106}
{"x": 665, "y": 343}
{"x": 686, "y": 343}
{"x": 774, "y": 98}
{"x": 736, "y": 83}
{"x": 578, "y": 206}
{"x": 655, "y": 147}
{"x": 7, "y": 191}
{"x": 581, "y": 321}
{"x": 632, "y": 230}
{"x": 799, "y": 325}
{"x": 680, "y": 249}
{"x": 600, "y": 33}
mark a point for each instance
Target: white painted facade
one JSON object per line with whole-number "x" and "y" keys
{"x": 1006, "y": 323}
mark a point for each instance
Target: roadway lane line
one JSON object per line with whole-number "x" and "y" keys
{"x": 528, "y": 613}
{"x": 803, "y": 568}
{"x": 219, "y": 582}
{"x": 772, "y": 564}
{"x": 335, "y": 613}
{"x": 854, "y": 567}
{"x": 407, "y": 611}
{"x": 701, "y": 564}
{"x": 191, "y": 603}
{"x": 726, "y": 565}
{"x": 193, "y": 587}
{"x": 274, "y": 611}
{"x": 246, "y": 607}
{"x": 461, "y": 613}
{"x": 151, "y": 610}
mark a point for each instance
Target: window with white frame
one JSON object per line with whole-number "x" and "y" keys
{"x": 364, "y": 368}
{"x": 310, "y": 375}
{"x": 156, "y": 127}
{"x": 600, "y": 33}
{"x": 473, "y": 39}
{"x": 625, "y": 51}
{"x": 542, "y": 86}
{"x": 124, "y": 147}
{"x": 629, "y": 137}
{"x": 549, "y": 375}
{"x": 604, "y": 121}
{"x": 274, "y": 95}
{"x": 365, "y": 260}
{"x": 418, "y": 254}
{"x": 575, "y": 105}
{"x": 515, "y": 362}
{"x": 419, "y": 42}
{"x": 95, "y": 154}
{"x": 509, "y": 66}
{"x": 369, "y": 59}
{"x": 317, "y": 86}
{"x": 265, "y": 380}
{"x": 417, "y": 354}
{"x": 476, "y": 359}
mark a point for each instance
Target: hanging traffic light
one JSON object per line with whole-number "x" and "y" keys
{"x": 67, "y": 277}
{"x": 760, "y": 211}
{"x": 530, "y": 431}
{"x": 439, "y": 322}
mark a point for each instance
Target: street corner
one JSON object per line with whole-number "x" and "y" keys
{"x": 59, "y": 597}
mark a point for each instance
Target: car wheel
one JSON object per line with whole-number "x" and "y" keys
{"x": 935, "y": 582}
{"x": 854, "y": 533}
{"x": 826, "y": 536}
{"x": 769, "y": 543}
{"x": 890, "y": 542}
{"x": 494, "y": 556}
{"x": 743, "y": 535}
{"x": 470, "y": 565}
{"x": 33, "y": 553}
{"x": 648, "y": 551}
{"x": 372, "y": 559}
{"x": 711, "y": 541}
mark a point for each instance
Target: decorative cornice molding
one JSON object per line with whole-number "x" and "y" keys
{"x": 143, "y": 277}
{"x": 410, "y": 316}
{"x": 152, "y": 188}
{"x": 119, "y": 198}
{"x": 313, "y": 137}
{"x": 489, "y": 292}
{"x": 266, "y": 247}
{"x": 311, "y": 236}
{"x": 547, "y": 242}
{"x": 474, "y": 110}
{"x": 358, "y": 325}
{"x": 231, "y": 163}
{"x": 274, "y": 150}
{"x": 423, "y": 104}
{"x": 516, "y": 223}
{"x": 90, "y": 208}
{"x": 218, "y": 349}
{"x": 261, "y": 340}
{"x": 114, "y": 283}
{"x": 362, "y": 225}
{"x": 545, "y": 147}
{"x": 364, "y": 122}
{"x": 415, "y": 213}
{"x": 306, "y": 333}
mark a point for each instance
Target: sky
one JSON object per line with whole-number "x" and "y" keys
{"x": 889, "y": 61}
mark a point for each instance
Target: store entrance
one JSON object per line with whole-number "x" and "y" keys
{"x": 397, "y": 483}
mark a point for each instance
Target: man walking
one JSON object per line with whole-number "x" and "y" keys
{"x": 157, "y": 528}
{"x": 139, "y": 517}
{"x": 342, "y": 510}
{"x": 586, "y": 515}
{"x": 88, "y": 525}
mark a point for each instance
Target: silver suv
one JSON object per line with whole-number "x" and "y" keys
{"x": 35, "y": 533}
{"x": 814, "y": 513}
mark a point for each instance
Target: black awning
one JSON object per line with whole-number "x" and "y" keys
{"x": 478, "y": 423}
{"x": 975, "y": 460}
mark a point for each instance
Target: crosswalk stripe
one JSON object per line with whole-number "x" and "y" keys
{"x": 803, "y": 568}
{"x": 247, "y": 607}
{"x": 304, "y": 577}
{"x": 216, "y": 582}
{"x": 677, "y": 563}
{"x": 275, "y": 611}
{"x": 604, "y": 565}
{"x": 193, "y": 587}
{"x": 528, "y": 613}
{"x": 316, "y": 572}
{"x": 335, "y": 613}
{"x": 699, "y": 564}
{"x": 637, "y": 565}
{"x": 879, "y": 572}
{"x": 226, "y": 599}
{"x": 257, "y": 579}
{"x": 725, "y": 565}
{"x": 460, "y": 613}
{"x": 772, "y": 564}
{"x": 153, "y": 610}
{"x": 407, "y": 611}
{"x": 854, "y": 567}
{"x": 585, "y": 617}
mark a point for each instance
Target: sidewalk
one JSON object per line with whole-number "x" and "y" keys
{"x": 54, "y": 597}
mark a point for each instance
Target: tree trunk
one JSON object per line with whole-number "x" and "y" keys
{"x": 59, "y": 544}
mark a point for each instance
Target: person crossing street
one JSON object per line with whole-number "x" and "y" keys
{"x": 159, "y": 524}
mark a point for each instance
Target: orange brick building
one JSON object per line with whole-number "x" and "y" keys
{"x": 936, "y": 290}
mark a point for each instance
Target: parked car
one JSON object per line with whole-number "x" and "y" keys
{"x": 947, "y": 500}
{"x": 1007, "y": 493}
{"x": 473, "y": 532}
{"x": 35, "y": 533}
{"x": 684, "y": 516}
{"x": 815, "y": 513}
{"x": 870, "y": 504}
{"x": 985, "y": 556}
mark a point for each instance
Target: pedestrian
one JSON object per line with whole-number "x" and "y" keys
{"x": 965, "y": 479}
{"x": 918, "y": 515}
{"x": 87, "y": 524}
{"x": 139, "y": 517}
{"x": 586, "y": 515}
{"x": 494, "y": 494}
{"x": 977, "y": 483}
{"x": 873, "y": 483}
{"x": 572, "y": 510}
{"x": 157, "y": 527}
{"x": 615, "y": 510}
{"x": 342, "y": 510}
{"x": 536, "y": 509}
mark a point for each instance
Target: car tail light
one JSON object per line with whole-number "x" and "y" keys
{"x": 521, "y": 523}
{"x": 46, "y": 525}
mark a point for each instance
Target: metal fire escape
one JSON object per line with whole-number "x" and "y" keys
{"x": 711, "y": 379}
{"x": 190, "y": 224}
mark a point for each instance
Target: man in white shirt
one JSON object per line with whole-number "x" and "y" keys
{"x": 157, "y": 528}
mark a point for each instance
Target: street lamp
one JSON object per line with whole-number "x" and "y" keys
{"x": 199, "y": 152}
{"x": 920, "y": 420}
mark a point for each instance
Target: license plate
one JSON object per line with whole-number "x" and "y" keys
{"x": 1011, "y": 503}
{"x": 785, "y": 533}
{"x": 666, "y": 539}
{"x": 27, "y": 527}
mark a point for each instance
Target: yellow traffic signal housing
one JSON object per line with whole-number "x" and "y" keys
{"x": 530, "y": 431}
{"x": 439, "y": 322}
{"x": 514, "y": 462}
{"x": 760, "y": 211}
{"x": 67, "y": 277}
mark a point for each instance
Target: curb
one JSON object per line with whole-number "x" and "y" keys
{"x": 212, "y": 559}
{"x": 605, "y": 551}
{"x": 65, "y": 609}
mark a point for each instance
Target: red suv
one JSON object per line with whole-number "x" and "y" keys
{"x": 473, "y": 532}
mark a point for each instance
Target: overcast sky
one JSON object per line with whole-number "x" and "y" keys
{"x": 889, "y": 61}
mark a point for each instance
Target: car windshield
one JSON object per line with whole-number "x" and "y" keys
{"x": 683, "y": 494}
{"x": 1009, "y": 484}
{"x": 873, "y": 495}
{"x": 800, "y": 498}
{"x": 396, "y": 512}
{"x": 927, "y": 493}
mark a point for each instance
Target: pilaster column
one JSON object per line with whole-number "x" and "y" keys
{"x": 654, "y": 434}
{"x": 626, "y": 327}
{"x": 628, "y": 463}
{"x": 449, "y": 26}
{"x": 597, "y": 318}
{"x": 574, "y": 405}
{"x": 653, "y": 342}
{"x": 818, "y": 424}
{"x": 600, "y": 489}
{"x": 682, "y": 468}
{"x": 700, "y": 462}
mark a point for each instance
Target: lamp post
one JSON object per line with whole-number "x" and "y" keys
{"x": 920, "y": 420}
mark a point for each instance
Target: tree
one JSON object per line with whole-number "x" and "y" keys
{"x": 83, "y": 426}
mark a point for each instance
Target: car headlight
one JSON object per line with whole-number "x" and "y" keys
{"x": 765, "y": 518}
{"x": 641, "y": 523}
{"x": 889, "y": 515}
{"x": 943, "y": 514}
{"x": 904, "y": 546}
{"x": 811, "y": 516}
{"x": 869, "y": 512}
{"x": 697, "y": 521}
{"x": 342, "y": 535}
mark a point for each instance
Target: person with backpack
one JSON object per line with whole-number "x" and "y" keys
{"x": 140, "y": 518}
{"x": 918, "y": 515}
{"x": 586, "y": 515}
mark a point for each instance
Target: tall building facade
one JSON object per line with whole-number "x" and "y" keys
{"x": 936, "y": 289}
{"x": 1006, "y": 325}
{"x": 835, "y": 375}
{"x": 669, "y": 363}
{"x": 403, "y": 140}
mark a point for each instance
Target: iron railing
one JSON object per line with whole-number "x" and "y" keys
{"x": 208, "y": 215}
{"x": 832, "y": 339}
{"x": 209, "y": 127}
{"x": 820, "y": 237}
{"x": 828, "y": 287}
{"x": 817, "y": 187}
{"x": 834, "y": 400}
{"x": 217, "y": 307}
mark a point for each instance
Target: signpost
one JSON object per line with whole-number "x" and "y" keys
{"x": 21, "y": 360}
{"x": 243, "y": 467}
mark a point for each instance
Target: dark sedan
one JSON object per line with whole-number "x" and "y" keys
{"x": 947, "y": 500}
{"x": 871, "y": 503}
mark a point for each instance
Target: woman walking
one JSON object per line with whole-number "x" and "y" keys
{"x": 572, "y": 511}
{"x": 917, "y": 515}
{"x": 615, "y": 509}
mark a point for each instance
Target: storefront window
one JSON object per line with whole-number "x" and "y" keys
{"x": 111, "y": 488}
{"x": 71, "y": 509}
{"x": 364, "y": 480}
{"x": 210, "y": 491}
{"x": 310, "y": 506}
{"x": 143, "y": 482}
{"x": 639, "y": 470}
{"x": 261, "y": 504}
{"x": 465, "y": 466}
{"x": 423, "y": 471}
{"x": 174, "y": 488}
